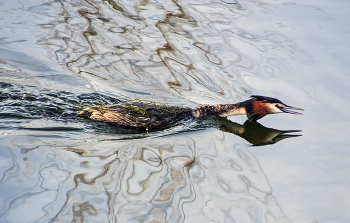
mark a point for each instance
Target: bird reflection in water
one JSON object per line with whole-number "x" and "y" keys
{"x": 255, "y": 133}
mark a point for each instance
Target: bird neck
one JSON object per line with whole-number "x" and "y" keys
{"x": 223, "y": 110}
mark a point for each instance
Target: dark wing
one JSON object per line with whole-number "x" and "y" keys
{"x": 141, "y": 115}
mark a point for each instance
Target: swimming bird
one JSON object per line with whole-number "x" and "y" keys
{"x": 148, "y": 115}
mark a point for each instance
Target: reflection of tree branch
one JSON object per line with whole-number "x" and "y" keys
{"x": 255, "y": 133}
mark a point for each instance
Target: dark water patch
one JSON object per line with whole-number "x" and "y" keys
{"x": 26, "y": 101}
{"x": 36, "y": 109}
{"x": 51, "y": 128}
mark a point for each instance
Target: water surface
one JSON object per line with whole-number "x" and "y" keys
{"x": 58, "y": 57}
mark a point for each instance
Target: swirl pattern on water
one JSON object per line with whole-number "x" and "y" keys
{"x": 171, "y": 179}
{"x": 202, "y": 52}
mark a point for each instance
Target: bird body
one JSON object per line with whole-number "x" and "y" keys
{"x": 147, "y": 115}
{"x": 138, "y": 114}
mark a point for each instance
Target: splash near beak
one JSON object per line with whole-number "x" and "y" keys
{"x": 286, "y": 110}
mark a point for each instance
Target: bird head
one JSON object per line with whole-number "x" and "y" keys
{"x": 261, "y": 106}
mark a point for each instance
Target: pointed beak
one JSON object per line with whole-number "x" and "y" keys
{"x": 287, "y": 109}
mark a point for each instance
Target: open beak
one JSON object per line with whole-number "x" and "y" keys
{"x": 287, "y": 109}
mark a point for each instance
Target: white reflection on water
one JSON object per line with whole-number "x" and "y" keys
{"x": 168, "y": 179}
{"x": 202, "y": 52}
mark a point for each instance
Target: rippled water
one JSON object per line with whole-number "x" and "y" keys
{"x": 58, "y": 57}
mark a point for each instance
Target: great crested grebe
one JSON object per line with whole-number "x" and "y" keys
{"x": 146, "y": 115}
